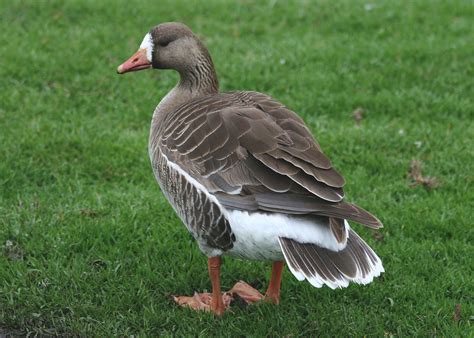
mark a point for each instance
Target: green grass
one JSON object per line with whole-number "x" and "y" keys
{"x": 90, "y": 246}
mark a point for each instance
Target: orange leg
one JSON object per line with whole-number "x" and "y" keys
{"x": 215, "y": 301}
{"x": 273, "y": 292}
{"x": 218, "y": 302}
{"x": 214, "y": 266}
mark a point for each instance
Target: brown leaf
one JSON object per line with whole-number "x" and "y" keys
{"x": 418, "y": 178}
{"x": 457, "y": 313}
{"x": 242, "y": 294}
{"x": 357, "y": 115}
{"x": 89, "y": 213}
{"x": 246, "y": 292}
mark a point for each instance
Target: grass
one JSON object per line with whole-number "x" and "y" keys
{"x": 89, "y": 245}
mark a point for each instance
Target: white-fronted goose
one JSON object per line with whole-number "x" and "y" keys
{"x": 247, "y": 178}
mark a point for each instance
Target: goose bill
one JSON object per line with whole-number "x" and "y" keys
{"x": 137, "y": 61}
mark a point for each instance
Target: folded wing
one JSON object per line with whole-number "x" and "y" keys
{"x": 253, "y": 153}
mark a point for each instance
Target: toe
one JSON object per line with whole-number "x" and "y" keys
{"x": 203, "y": 302}
{"x": 272, "y": 299}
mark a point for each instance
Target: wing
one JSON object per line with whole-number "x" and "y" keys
{"x": 245, "y": 145}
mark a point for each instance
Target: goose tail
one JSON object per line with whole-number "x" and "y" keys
{"x": 357, "y": 262}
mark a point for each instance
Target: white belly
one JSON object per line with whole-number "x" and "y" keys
{"x": 257, "y": 233}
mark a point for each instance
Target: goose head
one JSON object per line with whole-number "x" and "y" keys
{"x": 169, "y": 45}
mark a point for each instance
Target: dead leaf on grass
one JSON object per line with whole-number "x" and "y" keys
{"x": 457, "y": 313}
{"x": 417, "y": 178}
{"x": 89, "y": 213}
{"x": 357, "y": 115}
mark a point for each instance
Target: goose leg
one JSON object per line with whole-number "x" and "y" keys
{"x": 214, "y": 266}
{"x": 273, "y": 292}
{"x": 251, "y": 295}
{"x": 215, "y": 301}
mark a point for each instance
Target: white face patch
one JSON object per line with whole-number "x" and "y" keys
{"x": 147, "y": 44}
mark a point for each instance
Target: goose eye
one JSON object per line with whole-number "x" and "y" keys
{"x": 164, "y": 43}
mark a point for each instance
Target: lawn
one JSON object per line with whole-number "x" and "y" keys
{"x": 89, "y": 245}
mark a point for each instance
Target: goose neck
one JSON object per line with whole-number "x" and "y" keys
{"x": 200, "y": 77}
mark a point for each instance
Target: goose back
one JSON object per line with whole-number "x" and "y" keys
{"x": 252, "y": 153}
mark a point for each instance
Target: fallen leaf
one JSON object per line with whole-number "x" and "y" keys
{"x": 357, "y": 115}
{"x": 89, "y": 213}
{"x": 457, "y": 313}
{"x": 418, "y": 178}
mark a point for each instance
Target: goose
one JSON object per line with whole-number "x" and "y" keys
{"x": 247, "y": 178}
